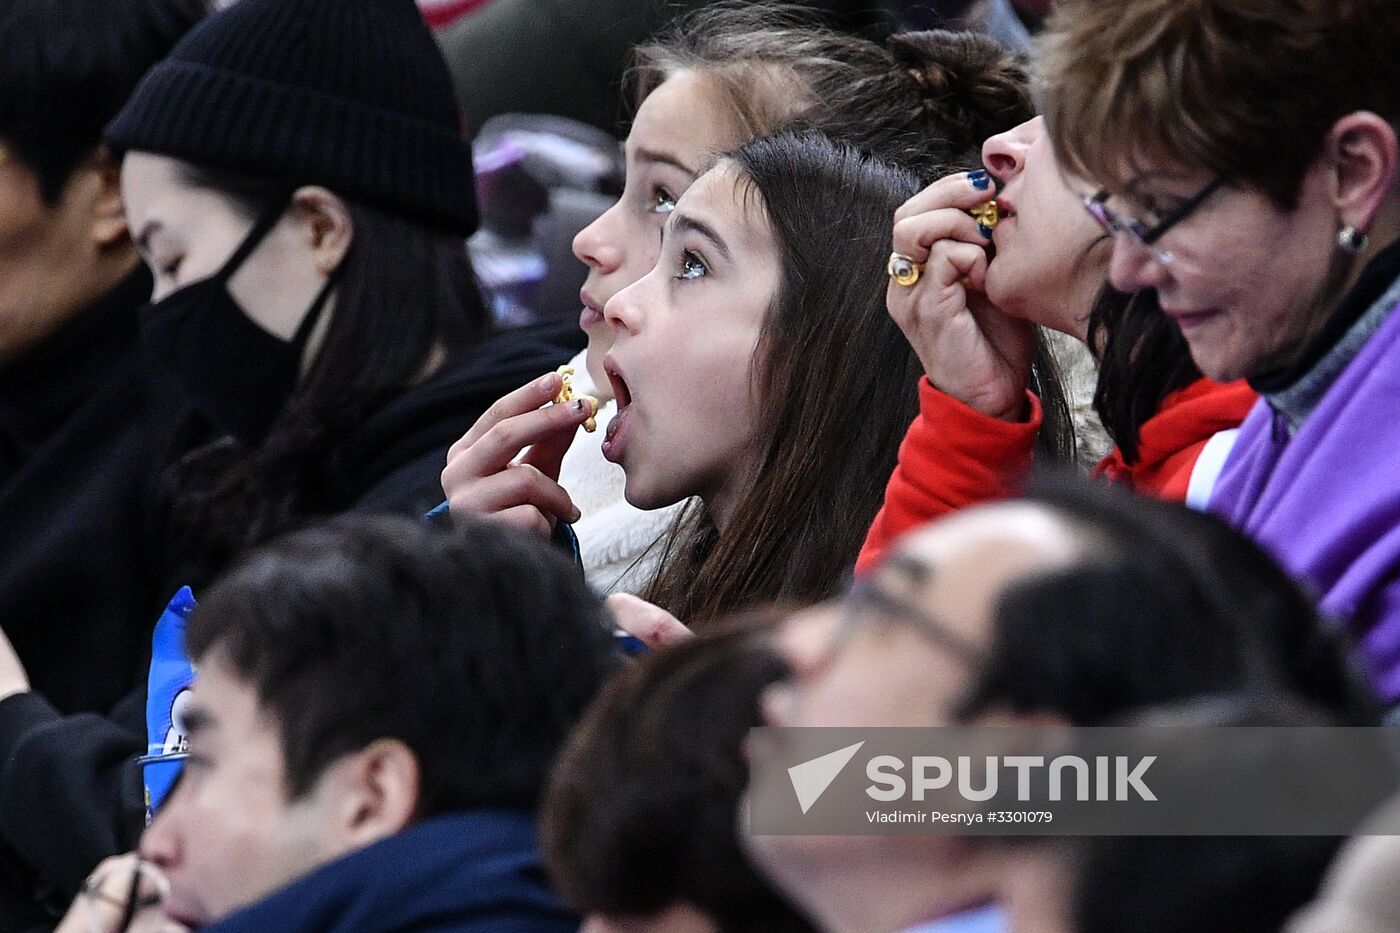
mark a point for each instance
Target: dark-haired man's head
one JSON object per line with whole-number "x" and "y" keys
{"x": 1077, "y": 604}
{"x": 355, "y": 679}
{"x": 639, "y": 822}
{"x": 1163, "y": 884}
{"x": 66, "y": 68}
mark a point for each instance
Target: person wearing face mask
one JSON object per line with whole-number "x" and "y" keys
{"x": 296, "y": 178}
{"x": 313, "y": 300}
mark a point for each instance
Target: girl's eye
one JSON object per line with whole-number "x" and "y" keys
{"x": 662, "y": 201}
{"x": 692, "y": 267}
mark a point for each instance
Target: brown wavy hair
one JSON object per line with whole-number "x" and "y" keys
{"x": 924, "y": 101}
{"x": 1244, "y": 89}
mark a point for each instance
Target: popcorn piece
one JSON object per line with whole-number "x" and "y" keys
{"x": 566, "y": 394}
{"x": 986, "y": 214}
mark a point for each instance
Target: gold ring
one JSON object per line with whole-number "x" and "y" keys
{"x": 903, "y": 270}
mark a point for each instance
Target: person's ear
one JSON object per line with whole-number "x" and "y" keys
{"x": 382, "y": 787}
{"x": 1364, "y": 149}
{"x": 109, "y": 227}
{"x": 327, "y": 225}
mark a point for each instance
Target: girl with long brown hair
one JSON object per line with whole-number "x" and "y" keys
{"x": 925, "y": 102}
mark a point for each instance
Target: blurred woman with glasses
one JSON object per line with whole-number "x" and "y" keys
{"x": 1276, "y": 123}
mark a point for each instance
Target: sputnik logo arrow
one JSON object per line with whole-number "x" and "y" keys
{"x": 811, "y": 778}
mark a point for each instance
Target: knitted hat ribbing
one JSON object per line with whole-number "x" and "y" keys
{"x": 349, "y": 94}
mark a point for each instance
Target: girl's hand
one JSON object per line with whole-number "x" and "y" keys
{"x": 488, "y": 477}
{"x": 969, "y": 348}
{"x": 104, "y": 902}
{"x": 648, "y": 623}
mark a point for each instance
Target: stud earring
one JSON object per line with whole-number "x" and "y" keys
{"x": 1351, "y": 240}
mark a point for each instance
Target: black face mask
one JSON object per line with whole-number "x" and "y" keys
{"x": 237, "y": 374}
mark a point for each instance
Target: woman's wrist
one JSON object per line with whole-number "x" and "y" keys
{"x": 1012, "y": 407}
{"x": 1014, "y": 411}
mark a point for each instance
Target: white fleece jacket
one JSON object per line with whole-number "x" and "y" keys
{"x": 620, "y": 544}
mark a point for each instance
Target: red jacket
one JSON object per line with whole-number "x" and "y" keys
{"x": 954, "y": 457}
{"x": 443, "y": 13}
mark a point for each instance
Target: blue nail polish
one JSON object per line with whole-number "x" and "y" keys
{"x": 982, "y": 183}
{"x": 985, "y": 230}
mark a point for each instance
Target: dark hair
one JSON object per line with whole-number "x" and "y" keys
{"x": 1206, "y": 884}
{"x": 642, "y": 807}
{"x": 372, "y": 628}
{"x": 1167, "y": 604}
{"x": 925, "y": 102}
{"x": 969, "y": 88}
{"x": 831, "y": 418}
{"x": 404, "y": 291}
{"x": 1142, "y": 359}
{"x": 67, "y": 68}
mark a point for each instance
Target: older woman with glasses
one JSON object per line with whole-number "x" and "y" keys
{"x": 1250, "y": 174}
{"x": 966, "y": 291}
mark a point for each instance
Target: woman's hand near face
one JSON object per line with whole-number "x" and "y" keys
{"x": 969, "y": 348}
{"x": 487, "y": 476}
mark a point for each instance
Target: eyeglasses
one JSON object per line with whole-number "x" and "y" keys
{"x": 866, "y": 601}
{"x": 1097, "y": 206}
{"x": 867, "y": 604}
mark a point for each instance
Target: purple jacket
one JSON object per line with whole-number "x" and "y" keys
{"x": 1326, "y": 501}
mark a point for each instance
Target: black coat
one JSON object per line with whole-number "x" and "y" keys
{"x": 77, "y": 587}
{"x": 70, "y": 793}
{"x": 75, "y": 483}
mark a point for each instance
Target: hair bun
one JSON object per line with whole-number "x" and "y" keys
{"x": 969, "y": 85}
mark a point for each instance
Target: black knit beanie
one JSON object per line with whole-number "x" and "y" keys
{"x": 349, "y": 94}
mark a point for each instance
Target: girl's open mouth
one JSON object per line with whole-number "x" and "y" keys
{"x": 615, "y": 438}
